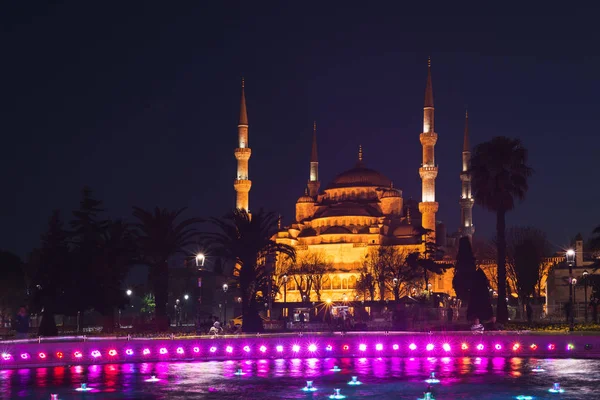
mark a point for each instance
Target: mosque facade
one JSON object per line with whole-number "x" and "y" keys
{"x": 361, "y": 210}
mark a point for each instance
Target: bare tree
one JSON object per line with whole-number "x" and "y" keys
{"x": 366, "y": 283}
{"x": 309, "y": 274}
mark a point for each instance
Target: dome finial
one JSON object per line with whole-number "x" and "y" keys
{"x": 360, "y": 153}
{"x": 408, "y": 214}
{"x": 392, "y": 185}
{"x": 306, "y": 191}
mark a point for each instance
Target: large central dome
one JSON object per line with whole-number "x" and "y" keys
{"x": 360, "y": 176}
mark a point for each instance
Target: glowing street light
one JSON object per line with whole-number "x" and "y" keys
{"x": 570, "y": 257}
{"x": 185, "y": 297}
{"x": 200, "y": 260}
{"x": 129, "y": 292}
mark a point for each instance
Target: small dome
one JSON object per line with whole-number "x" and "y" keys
{"x": 305, "y": 199}
{"x": 391, "y": 193}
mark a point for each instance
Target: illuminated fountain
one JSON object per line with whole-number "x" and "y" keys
{"x": 153, "y": 378}
{"x": 309, "y": 387}
{"x": 556, "y": 388}
{"x": 524, "y": 397}
{"x": 83, "y": 388}
{"x": 355, "y": 381}
{"x": 537, "y": 368}
{"x": 54, "y": 397}
{"x": 239, "y": 372}
{"x": 432, "y": 378}
{"x": 335, "y": 369}
{"x": 336, "y": 394}
{"x": 428, "y": 394}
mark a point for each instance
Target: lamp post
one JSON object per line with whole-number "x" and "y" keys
{"x": 574, "y": 283}
{"x": 285, "y": 280}
{"x": 570, "y": 257}
{"x": 395, "y": 282}
{"x": 200, "y": 258}
{"x": 585, "y": 298}
{"x": 225, "y": 288}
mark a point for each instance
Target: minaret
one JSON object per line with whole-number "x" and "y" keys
{"x": 428, "y": 171}
{"x": 466, "y": 198}
{"x": 313, "y": 181}
{"x": 242, "y": 154}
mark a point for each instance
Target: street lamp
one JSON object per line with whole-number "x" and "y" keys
{"x": 185, "y": 297}
{"x": 285, "y": 280}
{"x": 225, "y": 288}
{"x": 570, "y": 257}
{"x": 585, "y": 298}
{"x": 200, "y": 260}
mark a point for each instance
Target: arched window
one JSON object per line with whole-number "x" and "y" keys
{"x": 352, "y": 282}
{"x": 344, "y": 283}
{"x": 336, "y": 283}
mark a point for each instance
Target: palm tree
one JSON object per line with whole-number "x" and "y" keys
{"x": 499, "y": 174}
{"x": 595, "y": 240}
{"x": 159, "y": 237}
{"x": 247, "y": 241}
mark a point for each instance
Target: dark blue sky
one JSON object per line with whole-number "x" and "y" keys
{"x": 141, "y": 104}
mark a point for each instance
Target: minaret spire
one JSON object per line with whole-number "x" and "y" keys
{"x": 242, "y": 154}
{"x": 313, "y": 181}
{"x": 428, "y": 171}
{"x": 360, "y": 153}
{"x": 466, "y": 201}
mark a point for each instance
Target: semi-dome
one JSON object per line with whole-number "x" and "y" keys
{"x": 391, "y": 193}
{"x": 360, "y": 176}
{"x": 305, "y": 199}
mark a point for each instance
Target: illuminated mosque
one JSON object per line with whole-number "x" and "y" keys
{"x": 361, "y": 209}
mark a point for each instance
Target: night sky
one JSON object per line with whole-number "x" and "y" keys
{"x": 141, "y": 104}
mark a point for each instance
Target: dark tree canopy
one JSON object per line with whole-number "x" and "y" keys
{"x": 13, "y": 288}
{"x": 499, "y": 177}
{"x": 464, "y": 270}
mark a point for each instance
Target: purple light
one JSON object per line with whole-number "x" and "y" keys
{"x": 263, "y": 349}
{"x": 430, "y": 347}
{"x": 196, "y": 349}
{"x": 180, "y": 350}
{"x": 551, "y": 346}
{"x": 6, "y": 356}
{"x": 24, "y": 356}
{"x": 498, "y": 346}
{"x": 395, "y": 347}
{"x": 480, "y": 346}
{"x": 329, "y": 347}
{"x": 112, "y": 352}
{"x": 412, "y": 346}
{"x": 213, "y": 349}
{"x": 446, "y": 347}
{"x": 279, "y": 349}
{"x": 378, "y": 347}
{"x": 163, "y": 350}
{"x": 312, "y": 348}
{"x": 42, "y": 355}
{"x": 228, "y": 349}
{"x": 295, "y": 348}
{"x": 247, "y": 349}
{"x": 146, "y": 352}
{"x": 129, "y": 352}
{"x": 95, "y": 354}
{"x": 362, "y": 347}
{"x": 78, "y": 354}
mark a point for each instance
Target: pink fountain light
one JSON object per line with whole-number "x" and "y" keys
{"x": 196, "y": 349}
{"x": 378, "y": 347}
{"x": 95, "y": 354}
{"x": 263, "y": 349}
{"x": 516, "y": 346}
{"x": 446, "y": 347}
{"x": 129, "y": 352}
{"x": 295, "y": 348}
{"x": 362, "y": 347}
{"x": 213, "y": 349}
{"x": 279, "y": 349}
{"x": 429, "y": 347}
{"x": 6, "y": 356}
{"x": 395, "y": 347}
{"x": 59, "y": 354}
{"x": 498, "y": 346}
{"x": 42, "y": 355}
{"x": 228, "y": 349}
{"x": 163, "y": 350}
{"x": 247, "y": 349}
{"x": 25, "y": 356}
{"x": 480, "y": 346}
{"x": 180, "y": 350}
{"x": 412, "y": 346}
{"x": 312, "y": 347}
{"x": 329, "y": 347}
{"x": 551, "y": 346}
{"x": 464, "y": 346}
{"x": 112, "y": 352}
{"x": 146, "y": 352}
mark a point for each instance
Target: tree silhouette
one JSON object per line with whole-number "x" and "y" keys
{"x": 12, "y": 284}
{"x": 464, "y": 272}
{"x": 247, "y": 241}
{"x": 160, "y": 236}
{"x": 499, "y": 174}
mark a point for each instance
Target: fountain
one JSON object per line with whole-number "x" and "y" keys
{"x": 432, "y": 378}
{"x": 537, "y": 368}
{"x": 54, "y": 397}
{"x": 336, "y": 369}
{"x": 556, "y": 388}
{"x": 153, "y": 378}
{"x": 83, "y": 388}
{"x": 355, "y": 381}
{"x": 239, "y": 372}
{"x": 524, "y": 397}
{"x": 309, "y": 387}
{"x": 336, "y": 394}
{"x": 428, "y": 395}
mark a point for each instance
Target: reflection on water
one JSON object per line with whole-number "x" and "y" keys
{"x": 383, "y": 378}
